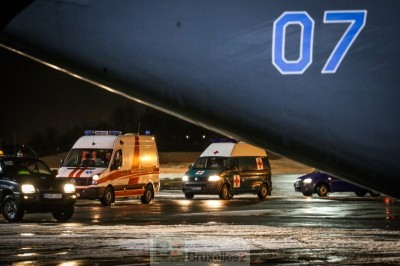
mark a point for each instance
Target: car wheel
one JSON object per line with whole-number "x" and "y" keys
{"x": 12, "y": 212}
{"x": 263, "y": 193}
{"x": 225, "y": 192}
{"x": 322, "y": 190}
{"x": 361, "y": 193}
{"x": 307, "y": 194}
{"x": 147, "y": 195}
{"x": 64, "y": 215}
{"x": 108, "y": 197}
{"x": 189, "y": 195}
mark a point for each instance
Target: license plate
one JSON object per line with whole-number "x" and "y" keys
{"x": 52, "y": 196}
{"x": 195, "y": 188}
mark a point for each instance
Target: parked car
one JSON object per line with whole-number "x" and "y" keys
{"x": 27, "y": 185}
{"x": 323, "y": 183}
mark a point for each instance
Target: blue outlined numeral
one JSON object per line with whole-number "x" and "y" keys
{"x": 306, "y": 42}
{"x": 357, "y": 21}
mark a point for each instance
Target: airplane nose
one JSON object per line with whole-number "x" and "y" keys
{"x": 9, "y": 9}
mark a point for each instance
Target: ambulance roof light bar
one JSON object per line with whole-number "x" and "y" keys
{"x": 102, "y": 132}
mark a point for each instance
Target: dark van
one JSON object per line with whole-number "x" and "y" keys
{"x": 228, "y": 169}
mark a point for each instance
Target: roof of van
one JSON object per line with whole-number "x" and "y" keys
{"x": 108, "y": 141}
{"x": 233, "y": 150}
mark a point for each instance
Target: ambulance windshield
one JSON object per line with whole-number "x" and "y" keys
{"x": 211, "y": 163}
{"x": 88, "y": 158}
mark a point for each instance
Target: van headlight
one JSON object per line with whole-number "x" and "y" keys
{"x": 95, "y": 178}
{"x": 27, "y": 189}
{"x": 307, "y": 181}
{"x": 69, "y": 188}
{"x": 214, "y": 178}
{"x": 185, "y": 178}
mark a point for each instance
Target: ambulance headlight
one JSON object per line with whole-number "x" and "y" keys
{"x": 27, "y": 189}
{"x": 69, "y": 188}
{"x": 185, "y": 178}
{"x": 214, "y": 178}
{"x": 95, "y": 178}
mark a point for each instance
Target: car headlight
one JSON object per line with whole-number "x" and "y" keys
{"x": 307, "y": 180}
{"x": 27, "y": 188}
{"x": 214, "y": 178}
{"x": 185, "y": 178}
{"x": 69, "y": 188}
{"x": 95, "y": 178}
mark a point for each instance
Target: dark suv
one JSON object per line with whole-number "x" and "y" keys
{"x": 27, "y": 185}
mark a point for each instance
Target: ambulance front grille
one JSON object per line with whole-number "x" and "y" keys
{"x": 82, "y": 181}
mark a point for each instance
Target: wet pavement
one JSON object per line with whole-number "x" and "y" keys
{"x": 285, "y": 229}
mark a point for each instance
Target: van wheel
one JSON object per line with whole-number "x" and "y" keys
{"x": 225, "y": 192}
{"x": 263, "y": 193}
{"x": 64, "y": 215}
{"x": 108, "y": 197}
{"x": 189, "y": 195}
{"x": 147, "y": 195}
{"x": 12, "y": 212}
{"x": 322, "y": 190}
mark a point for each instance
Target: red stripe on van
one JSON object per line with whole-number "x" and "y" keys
{"x": 133, "y": 180}
{"x": 80, "y": 172}
{"x": 73, "y": 172}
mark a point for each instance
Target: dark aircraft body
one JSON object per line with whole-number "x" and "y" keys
{"x": 317, "y": 81}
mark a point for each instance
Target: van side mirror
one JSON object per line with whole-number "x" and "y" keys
{"x": 61, "y": 162}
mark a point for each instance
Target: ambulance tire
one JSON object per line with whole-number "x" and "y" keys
{"x": 148, "y": 195}
{"x": 189, "y": 195}
{"x": 225, "y": 192}
{"x": 263, "y": 193}
{"x": 108, "y": 197}
{"x": 65, "y": 215}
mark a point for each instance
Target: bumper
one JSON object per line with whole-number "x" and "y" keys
{"x": 41, "y": 203}
{"x": 201, "y": 187}
{"x": 303, "y": 187}
{"x": 89, "y": 192}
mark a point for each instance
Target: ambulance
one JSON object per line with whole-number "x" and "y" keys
{"x": 107, "y": 165}
{"x": 229, "y": 168}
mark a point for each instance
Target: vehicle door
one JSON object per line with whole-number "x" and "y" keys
{"x": 250, "y": 175}
{"x": 233, "y": 174}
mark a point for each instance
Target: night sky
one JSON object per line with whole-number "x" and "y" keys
{"x": 35, "y": 97}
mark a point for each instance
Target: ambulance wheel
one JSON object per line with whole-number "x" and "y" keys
{"x": 263, "y": 193}
{"x": 147, "y": 195}
{"x": 225, "y": 192}
{"x": 108, "y": 197}
{"x": 64, "y": 215}
{"x": 189, "y": 195}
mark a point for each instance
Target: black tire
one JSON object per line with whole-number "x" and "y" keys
{"x": 148, "y": 195}
{"x": 189, "y": 195}
{"x": 108, "y": 197}
{"x": 307, "y": 194}
{"x": 12, "y": 212}
{"x": 322, "y": 190}
{"x": 361, "y": 193}
{"x": 64, "y": 215}
{"x": 225, "y": 192}
{"x": 263, "y": 193}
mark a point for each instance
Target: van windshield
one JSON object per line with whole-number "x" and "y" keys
{"x": 211, "y": 163}
{"x": 88, "y": 158}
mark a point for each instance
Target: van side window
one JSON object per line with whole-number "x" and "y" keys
{"x": 233, "y": 164}
{"x": 247, "y": 163}
{"x": 117, "y": 160}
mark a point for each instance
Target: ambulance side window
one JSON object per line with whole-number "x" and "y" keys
{"x": 233, "y": 165}
{"x": 117, "y": 160}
